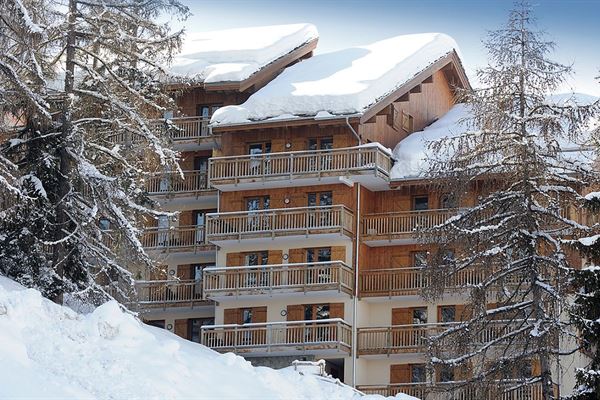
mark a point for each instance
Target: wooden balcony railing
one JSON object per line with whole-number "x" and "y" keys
{"x": 298, "y": 164}
{"x": 169, "y": 293}
{"x": 410, "y": 281}
{"x": 328, "y": 334}
{"x": 179, "y": 129}
{"x": 281, "y": 278}
{"x": 396, "y": 225}
{"x": 414, "y": 338}
{"x": 173, "y": 183}
{"x": 181, "y": 238}
{"x": 280, "y": 222}
{"x": 445, "y": 391}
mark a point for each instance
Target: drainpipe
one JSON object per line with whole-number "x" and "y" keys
{"x": 356, "y": 251}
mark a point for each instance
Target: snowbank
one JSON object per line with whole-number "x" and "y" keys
{"x": 342, "y": 82}
{"x": 236, "y": 54}
{"x": 49, "y": 351}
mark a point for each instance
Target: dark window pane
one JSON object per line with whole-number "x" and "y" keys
{"x": 322, "y": 311}
{"x": 247, "y": 316}
{"x": 418, "y": 373}
{"x": 446, "y": 373}
{"x": 420, "y": 316}
{"x": 421, "y": 203}
{"x": 448, "y": 314}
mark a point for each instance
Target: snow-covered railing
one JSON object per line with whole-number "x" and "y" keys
{"x": 269, "y": 337}
{"x": 390, "y": 282}
{"x": 280, "y": 222}
{"x": 444, "y": 391}
{"x": 388, "y": 226}
{"x": 169, "y": 292}
{"x": 278, "y": 278}
{"x": 414, "y": 337}
{"x": 297, "y": 164}
{"x": 175, "y": 238}
{"x": 172, "y": 183}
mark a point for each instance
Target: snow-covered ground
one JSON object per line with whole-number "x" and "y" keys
{"x": 49, "y": 351}
{"x": 236, "y": 54}
{"x": 342, "y": 82}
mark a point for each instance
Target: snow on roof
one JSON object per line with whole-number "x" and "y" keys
{"x": 411, "y": 154}
{"x": 342, "y": 82}
{"x": 235, "y": 54}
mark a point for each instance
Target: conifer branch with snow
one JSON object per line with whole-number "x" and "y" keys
{"x": 521, "y": 154}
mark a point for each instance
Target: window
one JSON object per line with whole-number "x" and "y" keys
{"x": 104, "y": 224}
{"x": 196, "y": 325}
{"x": 198, "y": 271}
{"x": 258, "y": 203}
{"x": 316, "y": 312}
{"x": 417, "y": 372}
{"x": 247, "y": 316}
{"x": 447, "y": 256}
{"x": 324, "y": 143}
{"x": 257, "y": 278}
{"x": 419, "y": 259}
{"x": 446, "y": 373}
{"x": 206, "y": 111}
{"x": 199, "y": 220}
{"x": 320, "y": 216}
{"x": 407, "y": 122}
{"x": 447, "y": 314}
{"x": 259, "y": 165}
{"x": 157, "y": 323}
{"x": 448, "y": 200}
{"x": 420, "y": 203}
{"x": 320, "y": 199}
{"x": 320, "y": 275}
{"x": 256, "y": 221}
{"x": 419, "y": 316}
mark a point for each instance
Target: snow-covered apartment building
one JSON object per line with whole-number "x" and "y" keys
{"x": 295, "y": 234}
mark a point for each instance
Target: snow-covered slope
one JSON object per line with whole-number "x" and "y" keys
{"x": 342, "y": 82}
{"x": 236, "y": 54}
{"x": 49, "y": 351}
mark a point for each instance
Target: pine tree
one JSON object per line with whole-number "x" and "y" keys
{"x": 514, "y": 156}
{"x": 585, "y": 312}
{"x": 107, "y": 58}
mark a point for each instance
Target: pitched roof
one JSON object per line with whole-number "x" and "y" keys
{"x": 234, "y": 55}
{"x": 344, "y": 82}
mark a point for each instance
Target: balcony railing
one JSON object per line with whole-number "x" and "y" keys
{"x": 299, "y": 164}
{"x": 444, "y": 391}
{"x": 173, "y": 183}
{"x": 291, "y": 336}
{"x": 391, "y": 282}
{"x": 181, "y": 129}
{"x": 281, "y": 278}
{"x": 181, "y": 238}
{"x": 169, "y": 293}
{"x": 280, "y": 222}
{"x": 398, "y": 225}
{"x": 414, "y": 338}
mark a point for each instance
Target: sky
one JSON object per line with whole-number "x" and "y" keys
{"x": 572, "y": 24}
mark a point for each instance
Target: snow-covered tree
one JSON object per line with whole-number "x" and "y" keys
{"x": 517, "y": 156}
{"x": 106, "y": 58}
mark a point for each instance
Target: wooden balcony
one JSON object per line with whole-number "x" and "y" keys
{"x": 392, "y": 282}
{"x": 193, "y": 183}
{"x": 328, "y": 336}
{"x": 170, "y": 293}
{"x": 317, "y": 222}
{"x": 176, "y": 239}
{"x": 187, "y": 133}
{"x": 282, "y": 279}
{"x": 399, "y": 227}
{"x": 444, "y": 391}
{"x": 400, "y": 339}
{"x": 369, "y": 166}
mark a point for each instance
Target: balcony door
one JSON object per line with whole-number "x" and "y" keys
{"x": 163, "y": 233}
{"x": 256, "y": 220}
{"x": 255, "y": 278}
{"x": 206, "y": 111}
{"x": 321, "y": 216}
{"x": 201, "y": 168}
{"x": 199, "y": 220}
{"x": 322, "y": 161}
{"x": 259, "y": 165}
{"x": 321, "y": 275}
